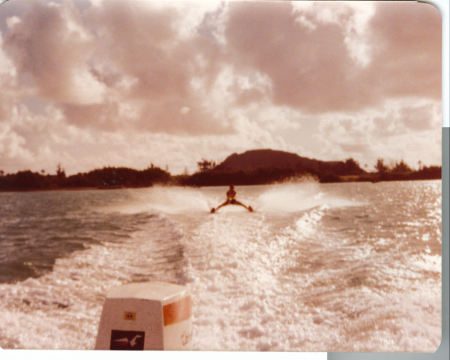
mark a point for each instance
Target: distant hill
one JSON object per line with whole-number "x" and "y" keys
{"x": 266, "y": 166}
{"x": 274, "y": 159}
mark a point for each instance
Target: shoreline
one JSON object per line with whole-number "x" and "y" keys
{"x": 52, "y": 189}
{"x": 91, "y": 188}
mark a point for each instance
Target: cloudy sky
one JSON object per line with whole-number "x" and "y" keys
{"x": 91, "y": 83}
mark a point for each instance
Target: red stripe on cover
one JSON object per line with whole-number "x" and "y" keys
{"x": 177, "y": 311}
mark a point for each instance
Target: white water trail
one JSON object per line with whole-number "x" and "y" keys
{"x": 279, "y": 198}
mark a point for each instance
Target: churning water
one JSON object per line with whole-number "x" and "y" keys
{"x": 337, "y": 267}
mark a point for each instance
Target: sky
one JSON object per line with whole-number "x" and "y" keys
{"x": 94, "y": 83}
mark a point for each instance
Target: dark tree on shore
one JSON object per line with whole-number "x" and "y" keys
{"x": 352, "y": 166}
{"x": 401, "y": 167}
{"x": 206, "y": 165}
{"x": 381, "y": 167}
{"x": 60, "y": 172}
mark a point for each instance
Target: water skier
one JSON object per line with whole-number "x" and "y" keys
{"x": 231, "y": 200}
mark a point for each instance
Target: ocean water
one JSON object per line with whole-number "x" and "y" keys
{"x": 317, "y": 267}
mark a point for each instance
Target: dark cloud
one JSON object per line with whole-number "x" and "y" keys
{"x": 136, "y": 42}
{"x": 311, "y": 68}
{"x": 406, "y": 38}
{"x": 88, "y": 62}
{"x": 103, "y": 116}
{"x": 4, "y": 109}
{"x": 143, "y": 44}
{"x": 308, "y": 67}
{"x": 43, "y": 46}
{"x": 71, "y": 52}
{"x": 13, "y": 8}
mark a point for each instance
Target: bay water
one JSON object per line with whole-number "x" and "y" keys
{"x": 316, "y": 267}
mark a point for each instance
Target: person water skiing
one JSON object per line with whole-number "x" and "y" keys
{"x": 231, "y": 200}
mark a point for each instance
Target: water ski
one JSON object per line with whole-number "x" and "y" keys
{"x": 249, "y": 208}
{"x": 231, "y": 200}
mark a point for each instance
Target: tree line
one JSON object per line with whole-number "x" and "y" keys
{"x": 401, "y": 171}
{"x": 324, "y": 172}
{"x": 105, "y": 178}
{"x": 208, "y": 175}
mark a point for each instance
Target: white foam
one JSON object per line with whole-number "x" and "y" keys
{"x": 68, "y": 300}
{"x": 299, "y": 197}
{"x": 162, "y": 199}
{"x": 280, "y": 198}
